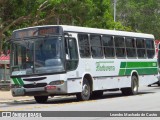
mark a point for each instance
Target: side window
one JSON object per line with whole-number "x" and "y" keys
{"x": 71, "y": 53}
{"x": 108, "y": 46}
{"x": 120, "y": 46}
{"x": 150, "y": 48}
{"x": 140, "y": 43}
{"x": 84, "y": 48}
{"x": 130, "y": 47}
{"x": 96, "y": 46}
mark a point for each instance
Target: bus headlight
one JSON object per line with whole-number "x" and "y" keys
{"x": 58, "y": 82}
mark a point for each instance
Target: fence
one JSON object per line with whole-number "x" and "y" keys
{"x": 4, "y": 77}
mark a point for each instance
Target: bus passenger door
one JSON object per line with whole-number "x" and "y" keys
{"x": 71, "y": 56}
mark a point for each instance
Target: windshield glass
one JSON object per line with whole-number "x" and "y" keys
{"x": 37, "y": 56}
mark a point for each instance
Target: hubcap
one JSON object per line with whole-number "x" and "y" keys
{"x": 85, "y": 90}
{"x": 135, "y": 87}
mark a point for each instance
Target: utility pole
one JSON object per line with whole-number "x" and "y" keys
{"x": 115, "y": 1}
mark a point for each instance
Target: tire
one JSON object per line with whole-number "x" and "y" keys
{"x": 96, "y": 94}
{"x": 133, "y": 90}
{"x": 86, "y": 91}
{"x": 41, "y": 99}
{"x": 158, "y": 83}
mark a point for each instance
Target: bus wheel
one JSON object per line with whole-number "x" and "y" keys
{"x": 96, "y": 94}
{"x": 158, "y": 83}
{"x": 86, "y": 91}
{"x": 133, "y": 90}
{"x": 41, "y": 99}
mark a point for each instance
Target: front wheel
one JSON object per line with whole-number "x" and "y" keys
{"x": 86, "y": 91}
{"x": 133, "y": 90}
{"x": 41, "y": 99}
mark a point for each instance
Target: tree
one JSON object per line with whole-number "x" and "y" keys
{"x": 140, "y": 15}
{"x": 16, "y": 14}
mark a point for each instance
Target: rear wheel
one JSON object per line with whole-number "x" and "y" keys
{"x": 41, "y": 99}
{"x": 133, "y": 90}
{"x": 158, "y": 83}
{"x": 86, "y": 91}
{"x": 96, "y": 94}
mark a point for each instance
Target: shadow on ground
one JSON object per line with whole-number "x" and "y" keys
{"x": 72, "y": 99}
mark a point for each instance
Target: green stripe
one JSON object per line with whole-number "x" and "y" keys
{"x": 148, "y": 71}
{"x": 123, "y": 64}
{"x": 137, "y": 64}
{"x": 20, "y": 81}
{"x": 122, "y": 72}
{"x": 15, "y": 81}
{"x": 141, "y": 67}
{"x": 141, "y": 64}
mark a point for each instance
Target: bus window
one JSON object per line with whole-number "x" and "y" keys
{"x": 84, "y": 48}
{"x": 150, "y": 48}
{"x": 96, "y": 46}
{"x": 120, "y": 46}
{"x": 108, "y": 46}
{"x": 141, "y": 48}
{"x": 130, "y": 47}
{"x": 72, "y": 60}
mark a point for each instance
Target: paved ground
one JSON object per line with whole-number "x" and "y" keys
{"x": 6, "y": 96}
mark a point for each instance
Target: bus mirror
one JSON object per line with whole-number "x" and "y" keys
{"x": 67, "y": 57}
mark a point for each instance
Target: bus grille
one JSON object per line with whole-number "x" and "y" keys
{"x": 35, "y": 85}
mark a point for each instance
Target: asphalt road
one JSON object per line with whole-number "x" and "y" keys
{"x": 148, "y": 99}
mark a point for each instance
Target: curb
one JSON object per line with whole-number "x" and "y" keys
{"x": 15, "y": 100}
{"x": 9, "y": 98}
{"x": 6, "y": 97}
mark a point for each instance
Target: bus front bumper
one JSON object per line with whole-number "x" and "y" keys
{"x": 40, "y": 91}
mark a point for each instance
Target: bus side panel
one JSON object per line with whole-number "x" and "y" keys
{"x": 74, "y": 85}
{"x": 147, "y": 79}
{"x": 104, "y": 83}
{"x": 111, "y": 83}
{"x": 124, "y": 81}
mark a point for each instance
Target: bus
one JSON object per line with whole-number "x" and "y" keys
{"x": 52, "y": 60}
{"x": 157, "y": 44}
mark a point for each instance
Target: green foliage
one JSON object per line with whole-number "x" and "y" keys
{"x": 132, "y": 15}
{"x": 140, "y": 15}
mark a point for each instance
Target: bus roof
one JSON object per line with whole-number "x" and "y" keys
{"x": 68, "y": 28}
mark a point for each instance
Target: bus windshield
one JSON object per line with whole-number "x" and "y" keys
{"x": 38, "y": 55}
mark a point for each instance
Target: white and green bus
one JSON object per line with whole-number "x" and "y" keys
{"x": 55, "y": 60}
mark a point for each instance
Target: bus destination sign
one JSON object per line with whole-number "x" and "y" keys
{"x": 37, "y": 31}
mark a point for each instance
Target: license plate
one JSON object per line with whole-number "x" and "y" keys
{"x": 19, "y": 91}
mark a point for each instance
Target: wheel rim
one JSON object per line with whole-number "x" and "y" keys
{"x": 85, "y": 90}
{"x": 135, "y": 86}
